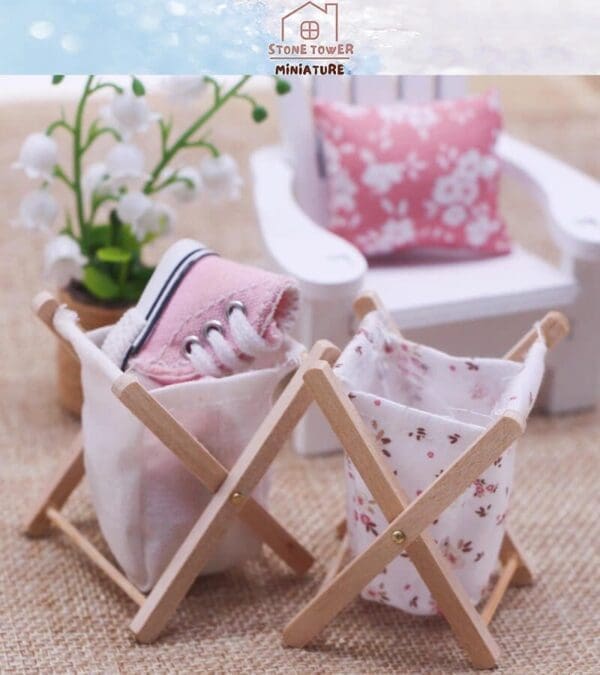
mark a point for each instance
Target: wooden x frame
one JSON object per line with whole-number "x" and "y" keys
{"x": 231, "y": 489}
{"x": 408, "y": 521}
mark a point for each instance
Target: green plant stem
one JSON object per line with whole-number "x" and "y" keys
{"x": 185, "y": 137}
{"x": 77, "y": 156}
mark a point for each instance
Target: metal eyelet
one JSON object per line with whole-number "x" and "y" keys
{"x": 236, "y": 304}
{"x": 213, "y": 325}
{"x": 187, "y": 345}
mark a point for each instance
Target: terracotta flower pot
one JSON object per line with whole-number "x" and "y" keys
{"x": 92, "y": 314}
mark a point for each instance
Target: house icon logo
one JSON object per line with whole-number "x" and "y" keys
{"x": 309, "y": 42}
{"x": 310, "y": 22}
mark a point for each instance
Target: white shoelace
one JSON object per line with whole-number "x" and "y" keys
{"x": 221, "y": 354}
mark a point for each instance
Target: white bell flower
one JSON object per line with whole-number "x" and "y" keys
{"x": 96, "y": 180}
{"x": 188, "y": 189}
{"x": 37, "y": 211}
{"x": 144, "y": 215}
{"x": 129, "y": 114}
{"x": 221, "y": 178}
{"x": 63, "y": 260}
{"x": 125, "y": 162}
{"x": 157, "y": 221}
{"x": 184, "y": 88}
{"x": 38, "y": 156}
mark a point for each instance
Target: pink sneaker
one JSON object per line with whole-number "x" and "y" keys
{"x": 202, "y": 315}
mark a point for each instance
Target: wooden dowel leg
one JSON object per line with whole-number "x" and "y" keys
{"x": 186, "y": 564}
{"x": 276, "y": 537}
{"x": 94, "y": 555}
{"x": 66, "y": 480}
{"x": 508, "y": 571}
{"x": 523, "y": 575}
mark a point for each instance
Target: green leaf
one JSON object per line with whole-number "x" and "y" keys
{"x": 282, "y": 87}
{"x": 99, "y": 236}
{"x": 99, "y": 284}
{"x": 128, "y": 240}
{"x": 137, "y": 87}
{"x": 259, "y": 114}
{"x": 57, "y": 79}
{"x": 113, "y": 254}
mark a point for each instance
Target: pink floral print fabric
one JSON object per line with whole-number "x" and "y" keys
{"x": 414, "y": 176}
{"x": 424, "y": 408}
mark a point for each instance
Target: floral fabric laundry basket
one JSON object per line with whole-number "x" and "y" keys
{"x": 146, "y": 501}
{"x": 425, "y": 409}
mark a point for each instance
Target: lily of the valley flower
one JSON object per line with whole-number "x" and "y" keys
{"x": 37, "y": 211}
{"x": 129, "y": 114}
{"x": 145, "y": 216}
{"x": 221, "y": 178}
{"x": 125, "y": 162}
{"x": 38, "y": 156}
{"x": 96, "y": 180}
{"x": 184, "y": 88}
{"x": 63, "y": 260}
{"x": 187, "y": 186}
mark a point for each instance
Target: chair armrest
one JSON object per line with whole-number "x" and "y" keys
{"x": 571, "y": 198}
{"x": 326, "y": 266}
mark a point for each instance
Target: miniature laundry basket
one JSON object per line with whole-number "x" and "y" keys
{"x": 146, "y": 500}
{"x": 425, "y": 408}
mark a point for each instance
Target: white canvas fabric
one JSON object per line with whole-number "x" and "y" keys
{"x": 425, "y": 408}
{"x": 145, "y": 499}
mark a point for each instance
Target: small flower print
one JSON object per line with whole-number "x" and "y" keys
{"x": 368, "y": 523}
{"x": 419, "y": 434}
{"x": 453, "y": 438}
{"x": 471, "y": 365}
{"x": 482, "y": 511}
{"x": 453, "y": 554}
{"x": 479, "y": 486}
{"x": 478, "y": 392}
{"x": 378, "y": 593}
{"x": 430, "y": 454}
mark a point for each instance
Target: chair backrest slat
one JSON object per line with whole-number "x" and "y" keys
{"x": 331, "y": 87}
{"x": 418, "y": 88}
{"x": 375, "y": 89}
{"x": 451, "y": 86}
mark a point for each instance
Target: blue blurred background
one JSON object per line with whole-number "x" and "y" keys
{"x": 159, "y": 36}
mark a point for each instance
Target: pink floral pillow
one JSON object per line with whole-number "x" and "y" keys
{"x": 414, "y": 176}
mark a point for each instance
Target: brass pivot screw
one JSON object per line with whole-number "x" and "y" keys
{"x": 237, "y": 498}
{"x": 398, "y": 536}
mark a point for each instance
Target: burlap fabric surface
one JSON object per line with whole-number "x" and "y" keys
{"x": 58, "y": 614}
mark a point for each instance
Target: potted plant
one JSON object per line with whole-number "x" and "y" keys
{"x": 117, "y": 206}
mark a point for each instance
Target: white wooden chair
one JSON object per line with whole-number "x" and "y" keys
{"x": 462, "y": 307}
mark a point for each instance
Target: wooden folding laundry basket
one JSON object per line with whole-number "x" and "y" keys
{"x": 231, "y": 489}
{"x": 408, "y": 521}
{"x": 315, "y": 380}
